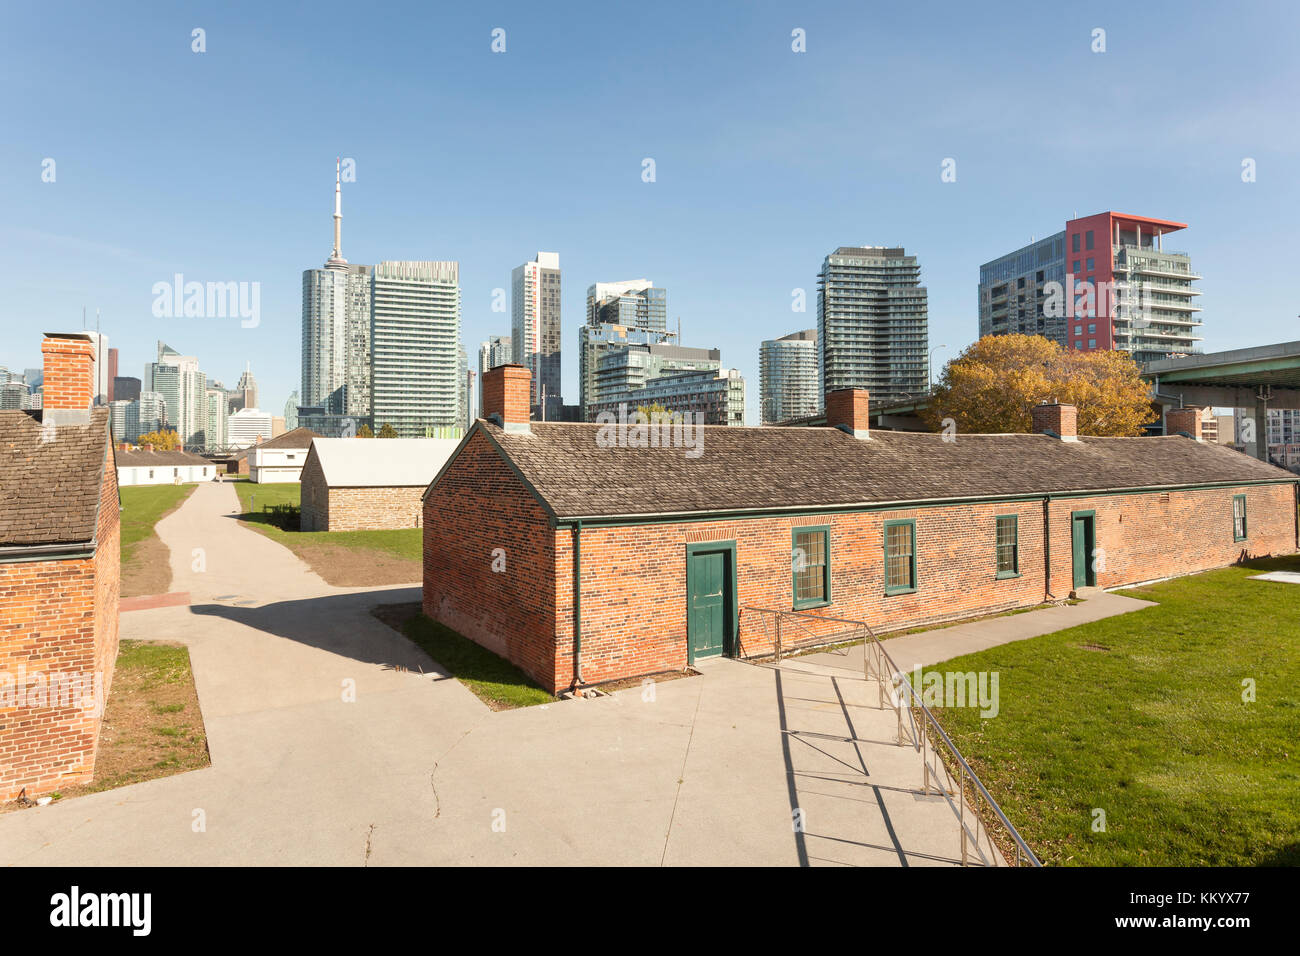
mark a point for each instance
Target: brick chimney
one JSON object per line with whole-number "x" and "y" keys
{"x": 1184, "y": 421}
{"x": 1059, "y": 421}
{"x": 849, "y": 409}
{"x": 506, "y": 397}
{"x": 69, "y": 387}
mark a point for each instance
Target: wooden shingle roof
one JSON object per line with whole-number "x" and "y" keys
{"x": 50, "y": 478}
{"x": 142, "y": 458}
{"x": 769, "y": 468}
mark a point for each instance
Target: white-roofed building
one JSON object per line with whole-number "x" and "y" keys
{"x": 353, "y": 484}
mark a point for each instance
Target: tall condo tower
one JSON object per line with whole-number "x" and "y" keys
{"x": 535, "y": 328}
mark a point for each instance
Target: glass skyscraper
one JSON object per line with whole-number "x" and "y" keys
{"x": 787, "y": 371}
{"x": 872, "y": 323}
{"x": 415, "y": 347}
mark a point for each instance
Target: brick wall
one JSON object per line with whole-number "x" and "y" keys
{"x": 313, "y": 497}
{"x": 58, "y": 616}
{"x": 478, "y": 507}
{"x": 362, "y": 509}
{"x": 634, "y": 578}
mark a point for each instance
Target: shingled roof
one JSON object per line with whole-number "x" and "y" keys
{"x": 50, "y": 479}
{"x": 293, "y": 438}
{"x": 811, "y": 468}
{"x": 150, "y": 458}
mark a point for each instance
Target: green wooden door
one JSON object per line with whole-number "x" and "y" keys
{"x": 707, "y": 614}
{"x": 1080, "y": 542}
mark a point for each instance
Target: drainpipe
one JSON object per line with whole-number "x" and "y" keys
{"x": 1297, "y": 515}
{"x": 1047, "y": 548}
{"x": 577, "y": 605}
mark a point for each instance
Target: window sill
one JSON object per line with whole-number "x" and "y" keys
{"x": 890, "y": 592}
{"x": 803, "y": 606}
{"x": 1006, "y": 575}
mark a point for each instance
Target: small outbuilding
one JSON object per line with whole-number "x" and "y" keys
{"x": 280, "y": 459}
{"x": 144, "y": 466}
{"x": 355, "y": 484}
{"x": 59, "y": 576}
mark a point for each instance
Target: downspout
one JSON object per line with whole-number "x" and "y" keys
{"x": 1297, "y": 515}
{"x": 1047, "y": 549}
{"x": 577, "y": 605}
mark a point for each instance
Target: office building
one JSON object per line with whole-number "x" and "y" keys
{"x": 415, "y": 341}
{"x": 183, "y": 387}
{"x": 1104, "y": 282}
{"x": 619, "y": 314}
{"x": 217, "y": 416}
{"x": 535, "y": 327}
{"x": 336, "y": 328}
{"x": 111, "y": 376}
{"x": 679, "y": 379}
{"x": 634, "y": 303}
{"x": 124, "y": 416}
{"x": 872, "y": 323}
{"x": 247, "y": 427}
{"x": 497, "y": 350}
{"x": 787, "y": 373}
{"x": 597, "y": 341}
{"x": 126, "y": 388}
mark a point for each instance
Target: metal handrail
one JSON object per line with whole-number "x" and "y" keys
{"x": 887, "y": 670}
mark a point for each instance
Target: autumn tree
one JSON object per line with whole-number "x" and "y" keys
{"x": 992, "y": 386}
{"x": 365, "y": 431}
{"x": 656, "y": 413}
{"x": 162, "y": 440}
{"x": 387, "y": 431}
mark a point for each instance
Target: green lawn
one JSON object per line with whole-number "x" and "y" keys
{"x": 496, "y": 681}
{"x": 142, "y": 506}
{"x": 1142, "y": 716}
{"x": 405, "y": 543}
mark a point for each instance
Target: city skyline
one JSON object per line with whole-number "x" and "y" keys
{"x": 740, "y": 213}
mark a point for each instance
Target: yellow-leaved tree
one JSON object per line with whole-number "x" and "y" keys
{"x": 992, "y": 386}
{"x": 161, "y": 440}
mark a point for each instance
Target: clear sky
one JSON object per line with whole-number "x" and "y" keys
{"x": 220, "y": 165}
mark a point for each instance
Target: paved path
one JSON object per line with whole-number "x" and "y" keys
{"x": 417, "y": 770}
{"x": 945, "y": 643}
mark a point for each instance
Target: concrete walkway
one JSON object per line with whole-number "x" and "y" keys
{"x": 945, "y": 643}
{"x": 714, "y": 769}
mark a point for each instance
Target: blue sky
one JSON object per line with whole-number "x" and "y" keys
{"x": 220, "y": 165}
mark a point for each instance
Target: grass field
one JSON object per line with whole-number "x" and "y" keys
{"x": 495, "y": 681}
{"x": 145, "y": 568}
{"x": 390, "y": 556}
{"x": 1142, "y": 716}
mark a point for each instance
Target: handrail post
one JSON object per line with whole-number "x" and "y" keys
{"x": 961, "y": 818}
{"x": 778, "y": 635}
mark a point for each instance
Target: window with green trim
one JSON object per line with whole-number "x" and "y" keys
{"x": 900, "y": 556}
{"x": 811, "y": 564}
{"x": 1238, "y": 517}
{"x": 1007, "y": 547}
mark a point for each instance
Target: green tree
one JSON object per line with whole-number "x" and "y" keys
{"x": 387, "y": 431}
{"x": 365, "y": 431}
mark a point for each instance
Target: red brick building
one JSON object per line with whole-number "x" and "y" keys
{"x": 583, "y": 558}
{"x": 59, "y": 577}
